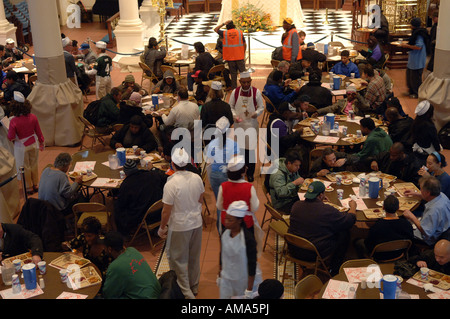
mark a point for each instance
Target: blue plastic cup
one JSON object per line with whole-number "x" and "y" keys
{"x": 29, "y": 276}
{"x": 121, "y": 155}
{"x": 336, "y": 83}
{"x": 155, "y": 100}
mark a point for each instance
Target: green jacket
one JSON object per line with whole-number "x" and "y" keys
{"x": 108, "y": 111}
{"x": 376, "y": 142}
{"x": 282, "y": 190}
{"x": 130, "y": 277}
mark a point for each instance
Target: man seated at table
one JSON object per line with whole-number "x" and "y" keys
{"x": 283, "y": 66}
{"x": 129, "y": 86}
{"x": 396, "y": 162}
{"x": 323, "y": 225}
{"x": 204, "y": 60}
{"x": 320, "y": 96}
{"x": 399, "y": 127}
{"x": 375, "y": 90}
{"x": 131, "y": 107}
{"x": 14, "y": 83}
{"x": 377, "y": 140}
{"x": 276, "y": 91}
{"x": 54, "y": 185}
{"x": 134, "y": 133}
{"x": 384, "y": 230}
{"x": 343, "y": 106}
{"x": 11, "y": 51}
{"x": 301, "y": 68}
{"x": 285, "y": 183}
{"x": 129, "y": 276}
{"x": 88, "y": 56}
{"x": 140, "y": 189}
{"x": 311, "y": 54}
{"x": 286, "y": 137}
{"x": 303, "y": 105}
{"x": 200, "y": 94}
{"x": 17, "y": 240}
{"x": 345, "y": 67}
{"x": 167, "y": 85}
{"x": 436, "y": 216}
{"x": 108, "y": 111}
{"x": 331, "y": 161}
{"x": 437, "y": 259}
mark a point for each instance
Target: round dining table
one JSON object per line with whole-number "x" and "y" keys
{"x": 54, "y": 287}
{"x": 373, "y": 292}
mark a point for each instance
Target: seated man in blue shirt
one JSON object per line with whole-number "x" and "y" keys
{"x": 277, "y": 92}
{"x": 436, "y": 216}
{"x": 345, "y": 67}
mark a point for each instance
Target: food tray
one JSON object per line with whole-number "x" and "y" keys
{"x": 437, "y": 279}
{"x": 345, "y": 176}
{"x": 374, "y": 213}
{"x": 339, "y": 208}
{"x": 26, "y": 258}
{"x": 402, "y": 187}
{"x": 307, "y": 132}
{"x": 88, "y": 276}
{"x": 86, "y": 178}
{"x": 67, "y": 259}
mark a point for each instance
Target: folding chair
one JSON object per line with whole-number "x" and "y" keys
{"x": 146, "y": 69}
{"x": 401, "y": 246}
{"x": 277, "y": 223}
{"x": 177, "y": 75}
{"x": 82, "y": 211}
{"x": 308, "y": 287}
{"x": 90, "y": 130}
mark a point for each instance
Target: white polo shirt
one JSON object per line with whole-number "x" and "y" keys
{"x": 182, "y": 191}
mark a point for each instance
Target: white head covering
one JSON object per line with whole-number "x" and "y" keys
{"x": 244, "y": 75}
{"x": 9, "y": 41}
{"x": 422, "y": 107}
{"x": 236, "y": 163}
{"x": 19, "y": 97}
{"x": 180, "y": 157}
{"x": 100, "y": 44}
{"x": 66, "y": 41}
{"x": 222, "y": 124}
{"x": 351, "y": 88}
{"x": 216, "y": 85}
{"x": 238, "y": 209}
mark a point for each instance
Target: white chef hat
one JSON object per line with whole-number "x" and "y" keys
{"x": 216, "y": 85}
{"x": 222, "y": 124}
{"x": 180, "y": 157}
{"x": 10, "y": 41}
{"x": 19, "y": 97}
{"x": 422, "y": 107}
{"x": 100, "y": 44}
{"x": 238, "y": 209}
{"x": 244, "y": 75}
{"x": 236, "y": 163}
{"x": 66, "y": 41}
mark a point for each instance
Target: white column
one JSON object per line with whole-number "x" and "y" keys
{"x": 56, "y": 100}
{"x": 436, "y": 87}
{"x": 7, "y": 30}
{"x": 150, "y": 17}
{"x": 130, "y": 29}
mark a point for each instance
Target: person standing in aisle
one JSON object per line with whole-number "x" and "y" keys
{"x": 291, "y": 42}
{"x": 102, "y": 70}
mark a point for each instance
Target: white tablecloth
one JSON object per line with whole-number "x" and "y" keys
{"x": 278, "y": 10}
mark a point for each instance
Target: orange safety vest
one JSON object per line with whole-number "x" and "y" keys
{"x": 233, "y": 48}
{"x": 287, "y": 46}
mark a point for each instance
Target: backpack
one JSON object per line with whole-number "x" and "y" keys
{"x": 277, "y": 54}
{"x": 91, "y": 112}
{"x": 444, "y": 136}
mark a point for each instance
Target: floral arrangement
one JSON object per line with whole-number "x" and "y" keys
{"x": 251, "y": 18}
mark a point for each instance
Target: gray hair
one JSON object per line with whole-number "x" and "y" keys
{"x": 62, "y": 160}
{"x": 430, "y": 184}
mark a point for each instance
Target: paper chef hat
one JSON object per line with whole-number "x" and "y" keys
{"x": 19, "y": 97}
{"x": 216, "y": 85}
{"x": 422, "y": 107}
{"x": 245, "y": 75}
{"x": 100, "y": 44}
{"x": 66, "y": 41}
{"x": 180, "y": 157}
{"x": 236, "y": 163}
{"x": 222, "y": 124}
{"x": 238, "y": 209}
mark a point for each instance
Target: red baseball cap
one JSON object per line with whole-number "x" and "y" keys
{"x": 196, "y": 74}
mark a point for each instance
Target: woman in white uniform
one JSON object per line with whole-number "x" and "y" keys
{"x": 240, "y": 274}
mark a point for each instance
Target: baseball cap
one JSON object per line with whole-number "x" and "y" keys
{"x": 288, "y": 20}
{"x": 84, "y": 46}
{"x": 196, "y": 74}
{"x": 314, "y": 189}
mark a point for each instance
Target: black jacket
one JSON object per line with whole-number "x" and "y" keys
{"x": 314, "y": 56}
{"x": 128, "y": 110}
{"x": 18, "y": 240}
{"x": 214, "y": 110}
{"x": 400, "y": 131}
{"x": 320, "y": 96}
{"x": 144, "y": 139}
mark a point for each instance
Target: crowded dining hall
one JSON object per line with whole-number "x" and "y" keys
{"x": 130, "y": 132}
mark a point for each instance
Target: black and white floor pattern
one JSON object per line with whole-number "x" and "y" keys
{"x": 200, "y": 27}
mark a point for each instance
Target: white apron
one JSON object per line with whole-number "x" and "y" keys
{"x": 244, "y": 107}
{"x": 234, "y": 273}
{"x": 19, "y": 151}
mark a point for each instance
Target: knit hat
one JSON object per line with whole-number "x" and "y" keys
{"x": 422, "y": 107}
{"x": 270, "y": 289}
{"x": 130, "y": 167}
{"x": 416, "y": 22}
{"x": 129, "y": 79}
{"x": 238, "y": 209}
{"x": 288, "y": 20}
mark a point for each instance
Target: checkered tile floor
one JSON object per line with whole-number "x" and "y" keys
{"x": 200, "y": 27}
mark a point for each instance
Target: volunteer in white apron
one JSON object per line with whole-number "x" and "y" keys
{"x": 246, "y": 105}
{"x": 238, "y": 252}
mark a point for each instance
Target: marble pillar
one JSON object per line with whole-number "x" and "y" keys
{"x": 56, "y": 101}
{"x": 150, "y": 17}
{"x": 7, "y": 29}
{"x": 130, "y": 30}
{"x": 436, "y": 87}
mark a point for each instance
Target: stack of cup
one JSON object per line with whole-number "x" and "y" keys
{"x": 63, "y": 274}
